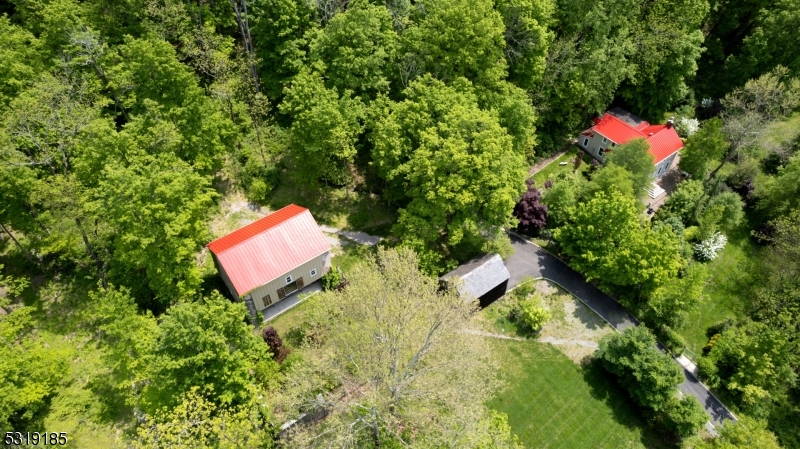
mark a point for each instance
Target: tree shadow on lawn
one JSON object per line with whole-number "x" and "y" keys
{"x": 604, "y": 387}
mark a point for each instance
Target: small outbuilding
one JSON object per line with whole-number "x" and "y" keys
{"x": 272, "y": 258}
{"x": 484, "y": 277}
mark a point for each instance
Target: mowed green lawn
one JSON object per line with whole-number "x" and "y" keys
{"x": 553, "y": 169}
{"x": 552, "y": 402}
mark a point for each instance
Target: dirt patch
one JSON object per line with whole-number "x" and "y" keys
{"x": 234, "y": 212}
{"x": 573, "y": 329}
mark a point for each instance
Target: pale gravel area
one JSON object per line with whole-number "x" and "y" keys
{"x": 574, "y": 329}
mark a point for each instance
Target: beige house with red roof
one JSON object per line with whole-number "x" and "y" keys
{"x": 618, "y": 126}
{"x": 272, "y": 258}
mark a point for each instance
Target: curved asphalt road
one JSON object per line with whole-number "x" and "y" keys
{"x": 530, "y": 260}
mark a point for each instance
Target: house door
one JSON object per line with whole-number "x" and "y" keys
{"x": 290, "y": 288}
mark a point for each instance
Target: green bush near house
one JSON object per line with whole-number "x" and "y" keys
{"x": 532, "y": 314}
{"x": 331, "y": 279}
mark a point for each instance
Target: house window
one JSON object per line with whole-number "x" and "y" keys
{"x": 585, "y": 141}
{"x": 267, "y": 300}
{"x": 605, "y": 140}
{"x": 313, "y": 272}
{"x": 288, "y": 279}
{"x": 613, "y": 144}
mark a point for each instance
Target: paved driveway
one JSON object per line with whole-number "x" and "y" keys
{"x": 530, "y": 260}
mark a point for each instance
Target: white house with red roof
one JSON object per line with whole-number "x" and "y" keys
{"x": 272, "y": 258}
{"x": 618, "y": 126}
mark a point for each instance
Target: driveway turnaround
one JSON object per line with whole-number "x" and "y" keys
{"x": 530, "y": 260}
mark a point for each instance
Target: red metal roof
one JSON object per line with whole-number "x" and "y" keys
{"x": 663, "y": 142}
{"x": 616, "y": 130}
{"x": 270, "y": 247}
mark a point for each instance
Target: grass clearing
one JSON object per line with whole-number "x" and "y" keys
{"x": 553, "y": 169}
{"x": 349, "y": 254}
{"x": 781, "y": 130}
{"x": 722, "y": 296}
{"x": 553, "y": 403}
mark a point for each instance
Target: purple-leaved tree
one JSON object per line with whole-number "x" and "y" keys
{"x": 530, "y": 211}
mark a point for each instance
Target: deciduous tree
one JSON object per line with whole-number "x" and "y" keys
{"x": 324, "y": 130}
{"x": 650, "y": 376}
{"x": 356, "y": 51}
{"x": 703, "y": 147}
{"x": 635, "y": 157}
{"x": 156, "y": 207}
{"x": 605, "y": 240}
{"x": 397, "y": 358}
{"x": 451, "y": 164}
{"x": 207, "y": 346}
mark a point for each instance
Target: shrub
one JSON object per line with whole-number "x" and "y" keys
{"x": 709, "y": 248}
{"x": 685, "y": 127}
{"x": 685, "y": 416}
{"x": 674, "y": 342}
{"x": 532, "y": 314}
{"x": 707, "y": 371}
{"x": 359, "y": 219}
{"x": 275, "y": 343}
{"x": 331, "y": 280}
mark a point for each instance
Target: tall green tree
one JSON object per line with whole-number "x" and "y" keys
{"x": 451, "y": 165}
{"x": 279, "y": 27}
{"x": 606, "y": 240}
{"x": 635, "y": 157}
{"x": 609, "y": 178}
{"x": 325, "y": 128}
{"x": 752, "y": 362}
{"x": 456, "y": 38}
{"x": 206, "y": 345}
{"x": 668, "y": 42}
{"x": 778, "y": 196}
{"x": 706, "y": 146}
{"x": 650, "y": 376}
{"x": 156, "y": 207}
{"x": 32, "y": 363}
{"x": 671, "y": 303}
{"x": 19, "y": 60}
{"x": 588, "y": 35}
{"x": 151, "y": 83}
{"x": 742, "y": 434}
{"x": 356, "y": 51}
{"x": 527, "y": 38}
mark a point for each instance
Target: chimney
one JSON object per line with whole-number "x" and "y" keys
{"x": 670, "y": 122}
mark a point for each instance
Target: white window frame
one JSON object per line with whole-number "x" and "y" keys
{"x": 585, "y": 141}
{"x": 613, "y": 144}
{"x": 288, "y": 279}
{"x": 605, "y": 139}
{"x": 313, "y": 272}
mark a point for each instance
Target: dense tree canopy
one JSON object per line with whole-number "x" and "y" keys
{"x": 129, "y": 128}
{"x": 450, "y": 163}
{"x": 606, "y": 240}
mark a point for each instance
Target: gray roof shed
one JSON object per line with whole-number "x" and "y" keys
{"x": 480, "y": 275}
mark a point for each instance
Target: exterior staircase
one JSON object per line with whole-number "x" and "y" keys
{"x": 654, "y": 191}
